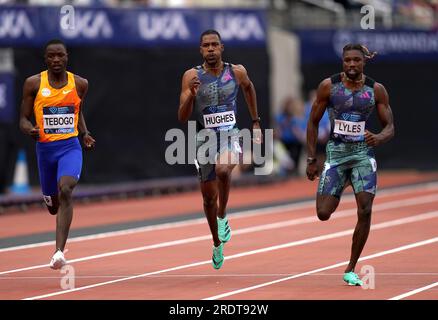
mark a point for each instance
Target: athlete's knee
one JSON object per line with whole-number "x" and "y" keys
{"x": 65, "y": 191}
{"x": 53, "y": 209}
{"x": 209, "y": 200}
{"x": 52, "y": 204}
{"x": 325, "y": 206}
{"x": 323, "y": 213}
{"x": 364, "y": 212}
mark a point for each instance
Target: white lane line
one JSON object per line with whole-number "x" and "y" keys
{"x": 236, "y": 215}
{"x": 387, "y": 224}
{"x": 222, "y": 275}
{"x": 337, "y": 265}
{"x": 411, "y": 293}
{"x": 263, "y": 227}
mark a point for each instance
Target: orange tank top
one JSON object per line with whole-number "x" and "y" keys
{"x": 57, "y": 110}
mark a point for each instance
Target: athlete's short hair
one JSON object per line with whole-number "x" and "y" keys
{"x": 357, "y": 46}
{"x": 210, "y": 31}
{"x": 55, "y": 41}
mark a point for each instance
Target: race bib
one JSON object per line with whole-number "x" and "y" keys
{"x": 349, "y": 128}
{"x": 220, "y": 119}
{"x": 59, "y": 120}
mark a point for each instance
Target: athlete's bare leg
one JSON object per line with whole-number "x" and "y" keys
{"x": 326, "y": 205}
{"x": 224, "y": 167}
{"x": 65, "y": 214}
{"x": 364, "y": 202}
{"x": 209, "y": 191}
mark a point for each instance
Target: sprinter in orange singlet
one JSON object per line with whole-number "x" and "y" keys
{"x": 55, "y": 97}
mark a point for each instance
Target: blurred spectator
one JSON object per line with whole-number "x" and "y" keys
{"x": 419, "y": 12}
{"x": 287, "y": 128}
{"x": 283, "y": 164}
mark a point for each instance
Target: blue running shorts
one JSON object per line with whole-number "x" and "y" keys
{"x": 58, "y": 159}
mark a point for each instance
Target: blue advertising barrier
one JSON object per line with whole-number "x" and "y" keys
{"x": 142, "y": 27}
{"x": 319, "y": 46}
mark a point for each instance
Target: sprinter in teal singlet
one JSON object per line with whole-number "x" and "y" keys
{"x": 350, "y": 98}
{"x": 210, "y": 90}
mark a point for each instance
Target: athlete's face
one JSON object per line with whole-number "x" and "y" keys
{"x": 56, "y": 58}
{"x": 211, "y": 49}
{"x": 353, "y": 63}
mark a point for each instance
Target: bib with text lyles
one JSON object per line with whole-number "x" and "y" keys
{"x": 349, "y": 128}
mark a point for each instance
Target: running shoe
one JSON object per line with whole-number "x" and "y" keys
{"x": 224, "y": 230}
{"x": 352, "y": 279}
{"x": 218, "y": 256}
{"x": 58, "y": 260}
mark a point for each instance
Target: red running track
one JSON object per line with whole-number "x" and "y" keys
{"x": 279, "y": 252}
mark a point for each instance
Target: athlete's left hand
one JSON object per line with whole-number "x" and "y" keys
{"x": 89, "y": 141}
{"x": 372, "y": 139}
{"x": 257, "y": 133}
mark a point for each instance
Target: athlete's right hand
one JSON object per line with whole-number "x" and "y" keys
{"x": 34, "y": 132}
{"x": 312, "y": 171}
{"x": 194, "y": 85}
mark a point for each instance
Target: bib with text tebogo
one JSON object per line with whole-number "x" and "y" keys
{"x": 59, "y": 120}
